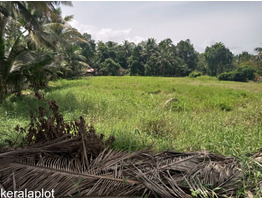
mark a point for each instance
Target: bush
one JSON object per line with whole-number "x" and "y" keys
{"x": 110, "y": 67}
{"x": 194, "y": 74}
{"x": 242, "y": 74}
{"x": 226, "y": 76}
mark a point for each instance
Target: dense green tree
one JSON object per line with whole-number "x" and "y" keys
{"x": 124, "y": 53}
{"x": 201, "y": 63}
{"x": 167, "y": 60}
{"x": 150, "y": 49}
{"x": 88, "y": 49}
{"x": 186, "y": 51}
{"x": 151, "y": 67}
{"x": 137, "y": 68}
{"x": 110, "y": 67}
{"x": 136, "y": 62}
{"x": 218, "y": 58}
{"x": 243, "y": 57}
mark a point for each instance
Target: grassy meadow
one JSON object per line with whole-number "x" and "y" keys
{"x": 222, "y": 117}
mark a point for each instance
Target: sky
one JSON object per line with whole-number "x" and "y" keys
{"x": 237, "y": 24}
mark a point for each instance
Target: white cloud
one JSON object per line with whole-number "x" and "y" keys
{"x": 136, "y": 39}
{"x": 106, "y": 34}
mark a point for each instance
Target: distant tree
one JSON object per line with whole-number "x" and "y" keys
{"x": 101, "y": 53}
{"x": 88, "y": 48}
{"x": 137, "y": 68}
{"x": 105, "y": 51}
{"x": 124, "y": 53}
{"x": 201, "y": 63}
{"x": 243, "y": 57}
{"x": 110, "y": 67}
{"x": 149, "y": 49}
{"x": 112, "y": 48}
{"x": 186, "y": 51}
{"x": 136, "y": 62}
{"x": 258, "y": 60}
{"x": 152, "y": 67}
{"x": 218, "y": 58}
{"x": 72, "y": 61}
{"x": 166, "y": 57}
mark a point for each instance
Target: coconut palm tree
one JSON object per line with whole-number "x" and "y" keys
{"x": 72, "y": 61}
{"x": 26, "y": 49}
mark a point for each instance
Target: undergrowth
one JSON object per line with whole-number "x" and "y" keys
{"x": 221, "y": 117}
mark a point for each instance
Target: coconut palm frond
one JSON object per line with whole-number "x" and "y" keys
{"x": 68, "y": 18}
{"x": 81, "y": 57}
{"x": 66, "y": 3}
{"x": 83, "y": 64}
{"x": 42, "y": 38}
{"x": 16, "y": 49}
{"x": 258, "y": 49}
{"x": 29, "y": 60}
{"x": 117, "y": 173}
{"x": 74, "y": 161}
{"x": 27, "y": 16}
{"x": 68, "y": 176}
{"x": 80, "y": 40}
{"x": 70, "y": 33}
{"x": 114, "y": 173}
{"x": 54, "y": 26}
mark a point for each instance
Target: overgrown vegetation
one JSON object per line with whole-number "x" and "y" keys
{"x": 72, "y": 154}
{"x": 194, "y": 74}
{"x": 242, "y": 74}
{"x": 207, "y": 114}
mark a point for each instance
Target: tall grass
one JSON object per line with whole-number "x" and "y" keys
{"x": 222, "y": 117}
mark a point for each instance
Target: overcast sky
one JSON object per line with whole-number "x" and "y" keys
{"x": 236, "y": 24}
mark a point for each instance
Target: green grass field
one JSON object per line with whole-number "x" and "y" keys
{"x": 223, "y": 117}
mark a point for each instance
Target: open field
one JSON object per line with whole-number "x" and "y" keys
{"x": 223, "y": 117}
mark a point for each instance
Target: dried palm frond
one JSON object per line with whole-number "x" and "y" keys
{"x": 68, "y": 176}
{"x": 113, "y": 173}
{"x": 74, "y": 161}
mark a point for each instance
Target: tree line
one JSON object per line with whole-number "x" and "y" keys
{"x": 37, "y": 45}
{"x": 149, "y": 58}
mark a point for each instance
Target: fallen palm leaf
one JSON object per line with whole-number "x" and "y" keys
{"x": 74, "y": 161}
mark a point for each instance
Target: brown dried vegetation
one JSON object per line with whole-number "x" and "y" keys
{"x": 74, "y": 161}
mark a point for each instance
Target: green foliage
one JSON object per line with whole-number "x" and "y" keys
{"x": 219, "y": 59}
{"x": 187, "y": 53}
{"x": 110, "y": 67}
{"x": 242, "y": 74}
{"x": 26, "y": 45}
{"x": 194, "y": 74}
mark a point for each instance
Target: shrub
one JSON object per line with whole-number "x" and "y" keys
{"x": 242, "y": 74}
{"x": 226, "y": 76}
{"x": 110, "y": 67}
{"x": 248, "y": 72}
{"x": 194, "y": 74}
